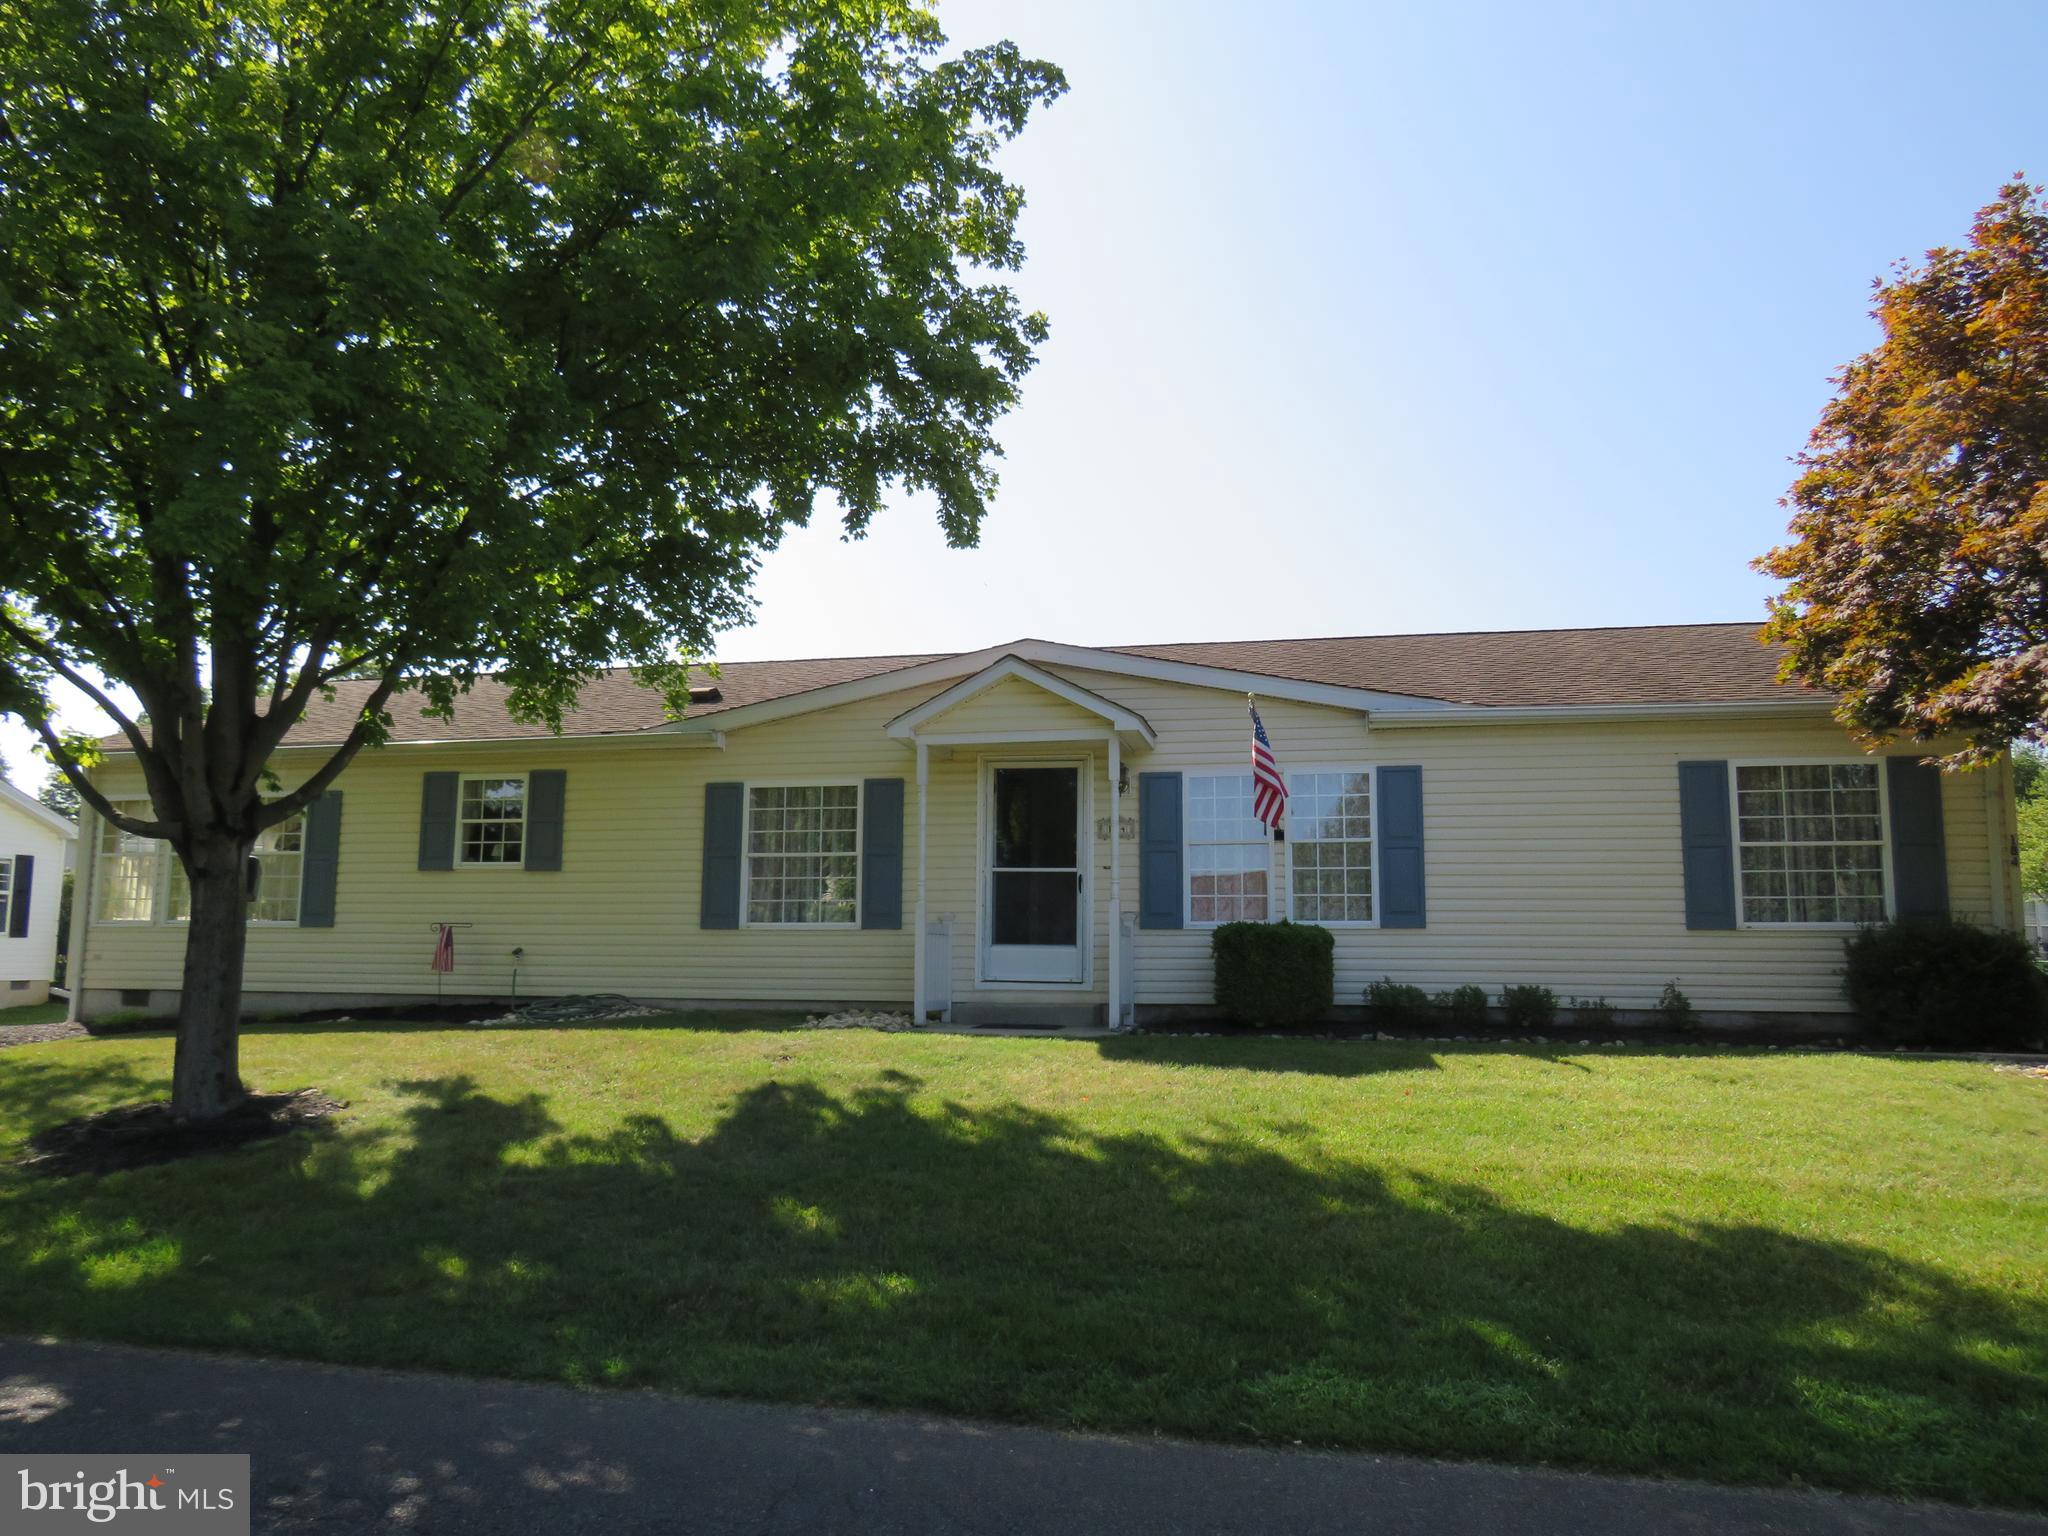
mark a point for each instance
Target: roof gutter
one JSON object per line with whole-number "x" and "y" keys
{"x": 1595, "y": 714}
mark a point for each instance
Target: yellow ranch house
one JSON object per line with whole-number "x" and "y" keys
{"x": 1045, "y": 833}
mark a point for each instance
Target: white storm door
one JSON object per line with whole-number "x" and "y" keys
{"x": 1035, "y": 877}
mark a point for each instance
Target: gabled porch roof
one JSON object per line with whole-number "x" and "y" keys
{"x": 1104, "y": 717}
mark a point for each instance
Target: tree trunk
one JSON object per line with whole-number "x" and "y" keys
{"x": 206, "y": 1080}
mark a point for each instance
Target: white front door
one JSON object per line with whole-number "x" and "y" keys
{"x": 1036, "y": 880}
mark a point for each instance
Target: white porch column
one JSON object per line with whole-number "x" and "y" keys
{"x": 917, "y": 983}
{"x": 1116, "y": 887}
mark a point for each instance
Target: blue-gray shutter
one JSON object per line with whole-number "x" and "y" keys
{"x": 1919, "y": 851}
{"x": 547, "y": 791}
{"x": 1402, "y": 901}
{"x": 19, "y": 895}
{"x": 438, "y": 792}
{"x": 1707, "y": 843}
{"x": 881, "y": 853}
{"x": 321, "y": 862}
{"x": 1159, "y": 850}
{"x": 724, "y": 819}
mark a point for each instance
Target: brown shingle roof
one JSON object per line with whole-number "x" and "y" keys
{"x": 1666, "y": 664}
{"x": 1652, "y": 664}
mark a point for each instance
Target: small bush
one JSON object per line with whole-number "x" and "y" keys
{"x": 1464, "y": 1006}
{"x": 1396, "y": 1005}
{"x": 1529, "y": 1006}
{"x": 1675, "y": 1009}
{"x": 1934, "y": 981}
{"x": 1592, "y": 1013}
{"x": 1275, "y": 974}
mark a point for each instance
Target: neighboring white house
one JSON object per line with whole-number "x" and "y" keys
{"x": 1051, "y": 828}
{"x": 34, "y": 846}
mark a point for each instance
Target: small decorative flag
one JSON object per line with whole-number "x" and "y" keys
{"x": 444, "y": 948}
{"x": 1269, "y": 790}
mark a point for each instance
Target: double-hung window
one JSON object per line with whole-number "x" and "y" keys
{"x": 1811, "y": 843}
{"x": 6, "y": 891}
{"x": 126, "y": 869}
{"x": 1229, "y": 858}
{"x": 491, "y": 821}
{"x": 803, "y": 854}
{"x": 280, "y": 858}
{"x": 1329, "y": 831}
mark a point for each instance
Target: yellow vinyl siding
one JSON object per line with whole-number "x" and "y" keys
{"x": 1012, "y": 705}
{"x": 620, "y": 915}
{"x": 1552, "y": 855}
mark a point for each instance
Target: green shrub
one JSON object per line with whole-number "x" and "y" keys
{"x": 1396, "y": 1005}
{"x": 1464, "y": 1006}
{"x": 1934, "y": 981}
{"x": 1675, "y": 1009}
{"x": 1275, "y": 973}
{"x": 1529, "y": 1006}
{"x": 1592, "y": 1013}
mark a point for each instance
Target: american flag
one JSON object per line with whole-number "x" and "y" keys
{"x": 444, "y": 948}
{"x": 1269, "y": 790}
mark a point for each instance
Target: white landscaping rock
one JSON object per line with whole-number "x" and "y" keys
{"x": 860, "y": 1018}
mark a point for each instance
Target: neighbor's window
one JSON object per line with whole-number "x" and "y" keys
{"x": 126, "y": 869}
{"x": 6, "y": 887}
{"x": 491, "y": 823}
{"x": 1812, "y": 842}
{"x": 803, "y": 853}
{"x": 278, "y": 856}
{"x": 1329, "y": 830}
{"x": 1228, "y": 856}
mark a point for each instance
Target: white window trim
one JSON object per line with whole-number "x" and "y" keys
{"x": 860, "y": 831}
{"x": 1372, "y": 774}
{"x": 7, "y": 866}
{"x": 1187, "y": 873}
{"x": 159, "y": 881}
{"x": 1735, "y": 843}
{"x": 525, "y": 800}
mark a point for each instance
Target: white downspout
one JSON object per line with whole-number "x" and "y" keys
{"x": 81, "y": 909}
{"x": 918, "y": 998}
{"x": 1115, "y": 1011}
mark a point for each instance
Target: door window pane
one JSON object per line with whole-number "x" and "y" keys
{"x": 1035, "y": 811}
{"x": 1035, "y": 907}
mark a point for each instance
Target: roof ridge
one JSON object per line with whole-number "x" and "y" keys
{"x": 1447, "y": 634}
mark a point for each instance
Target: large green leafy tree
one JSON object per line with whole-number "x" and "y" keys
{"x": 404, "y": 341}
{"x": 1917, "y": 576}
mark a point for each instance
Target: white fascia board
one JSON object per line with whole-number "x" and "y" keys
{"x": 906, "y": 725}
{"x": 1590, "y": 714}
{"x": 35, "y": 810}
{"x": 1047, "y": 653}
{"x": 632, "y": 740}
{"x": 945, "y": 669}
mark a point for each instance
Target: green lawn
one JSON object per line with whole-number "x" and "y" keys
{"x": 35, "y": 1013}
{"x": 1748, "y": 1266}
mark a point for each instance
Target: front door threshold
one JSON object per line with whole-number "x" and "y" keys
{"x": 1080, "y": 1018}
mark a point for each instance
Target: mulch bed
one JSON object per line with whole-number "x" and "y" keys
{"x": 36, "y": 1034}
{"x": 1754, "y": 1036}
{"x": 139, "y": 1135}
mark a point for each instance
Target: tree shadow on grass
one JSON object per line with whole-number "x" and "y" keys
{"x": 886, "y": 1246}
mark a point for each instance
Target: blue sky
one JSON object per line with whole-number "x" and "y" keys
{"x": 1373, "y": 318}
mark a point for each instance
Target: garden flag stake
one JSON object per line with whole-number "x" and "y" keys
{"x": 1269, "y": 790}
